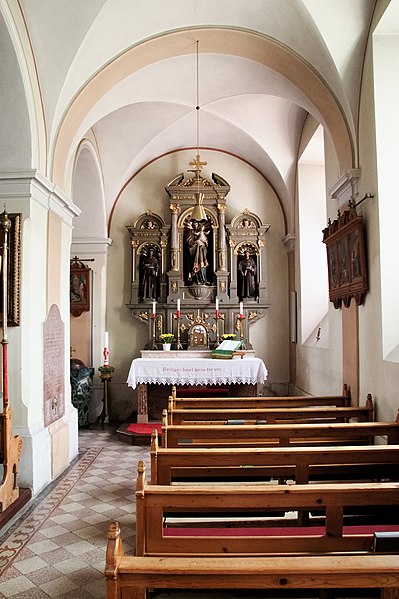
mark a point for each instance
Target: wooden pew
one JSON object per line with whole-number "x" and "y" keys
{"x": 296, "y": 401}
{"x": 10, "y": 453}
{"x": 128, "y": 577}
{"x": 255, "y": 562}
{"x": 222, "y": 435}
{"x": 283, "y": 414}
{"x": 301, "y": 465}
{"x": 157, "y": 504}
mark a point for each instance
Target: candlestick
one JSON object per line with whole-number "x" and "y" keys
{"x": 178, "y": 344}
{"x": 154, "y": 309}
{"x": 217, "y": 308}
{"x": 153, "y": 323}
{"x": 178, "y": 307}
{"x": 241, "y": 309}
{"x": 241, "y": 327}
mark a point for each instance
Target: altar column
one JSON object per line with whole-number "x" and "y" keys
{"x": 222, "y": 273}
{"x": 174, "y": 273}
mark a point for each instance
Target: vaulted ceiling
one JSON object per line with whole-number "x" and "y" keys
{"x": 124, "y": 75}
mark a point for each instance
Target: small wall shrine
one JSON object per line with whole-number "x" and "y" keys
{"x": 198, "y": 277}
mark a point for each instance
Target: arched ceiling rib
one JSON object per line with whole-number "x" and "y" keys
{"x": 117, "y": 65}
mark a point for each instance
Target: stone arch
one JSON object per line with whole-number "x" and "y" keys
{"x": 213, "y": 40}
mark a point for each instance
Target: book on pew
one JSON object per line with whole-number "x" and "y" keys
{"x": 224, "y": 350}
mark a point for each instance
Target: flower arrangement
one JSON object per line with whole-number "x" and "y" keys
{"x": 106, "y": 369}
{"x": 167, "y": 337}
{"x": 229, "y": 336}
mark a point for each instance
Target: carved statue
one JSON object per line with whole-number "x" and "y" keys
{"x": 246, "y": 279}
{"x": 197, "y": 244}
{"x": 149, "y": 275}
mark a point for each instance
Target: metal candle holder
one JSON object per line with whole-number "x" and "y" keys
{"x": 241, "y": 325}
{"x": 154, "y": 343}
{"x": 178, "y": 344}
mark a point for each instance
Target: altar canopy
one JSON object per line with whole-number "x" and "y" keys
{"x": 200, "y": 371}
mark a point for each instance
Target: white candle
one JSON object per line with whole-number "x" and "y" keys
{"x": 106, "y": 350}
{"x": 241, "y": 309}
{"x": 217, "y": 307}
{"x": 178, "y": 307}
{"x": 154, "y": 309}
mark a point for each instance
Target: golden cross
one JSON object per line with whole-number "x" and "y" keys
{"x": 197, "y": 164}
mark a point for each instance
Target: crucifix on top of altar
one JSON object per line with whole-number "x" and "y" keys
{"x": 194, "y": 274}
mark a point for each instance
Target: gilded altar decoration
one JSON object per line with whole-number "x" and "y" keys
{"x": 196, "y": 259}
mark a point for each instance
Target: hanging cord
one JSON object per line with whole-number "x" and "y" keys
{"x": 197, "y": 107}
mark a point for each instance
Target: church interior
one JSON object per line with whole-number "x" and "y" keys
{"x": 197, "y": 228}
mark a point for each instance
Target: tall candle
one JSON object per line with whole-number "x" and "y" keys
{"x": 241, "y": 309}
{"x": 217, "y": 307}
{"x": 154, "y": 309}
{"x": 106, "y": 350}
{"x": 178, "y": 307}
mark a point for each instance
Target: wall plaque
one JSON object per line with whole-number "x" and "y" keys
{"x": 54, "y": 366}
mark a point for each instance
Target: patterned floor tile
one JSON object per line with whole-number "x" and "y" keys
{"x": 58, "y": 548}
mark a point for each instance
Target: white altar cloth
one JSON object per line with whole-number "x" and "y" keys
{"x": 200, "y": 371}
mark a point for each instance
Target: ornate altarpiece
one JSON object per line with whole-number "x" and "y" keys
{"x": 162, "y": 263}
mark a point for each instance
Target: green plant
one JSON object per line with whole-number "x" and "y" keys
{"x": 106, "y": 369}
{"x": 229, "y": 336}
{"x": 167, "y": 337}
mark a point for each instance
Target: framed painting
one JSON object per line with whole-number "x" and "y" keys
{"x": 79, "y": 287}
{"x": 13, "y": 271}
{"x": 346, "y": 259}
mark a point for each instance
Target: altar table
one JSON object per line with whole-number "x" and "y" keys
{"x": 191, "y": 371}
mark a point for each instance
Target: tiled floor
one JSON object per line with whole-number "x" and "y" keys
{"x": 58, "y": 550}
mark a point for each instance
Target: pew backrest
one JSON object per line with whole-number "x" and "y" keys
{"x": 156, "y": 503}
{"x": 271, "y": 415}
{"x": 227, "y": 435}
{"x": 273, "y": 401}
{"x": 301, "y": 465}
{"x": 128, "y": 577}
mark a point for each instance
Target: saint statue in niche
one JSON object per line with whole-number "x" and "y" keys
{"x": 247, "y": 286}
{"x": 149, "y": 274}
{"x": 197, "y": 244}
